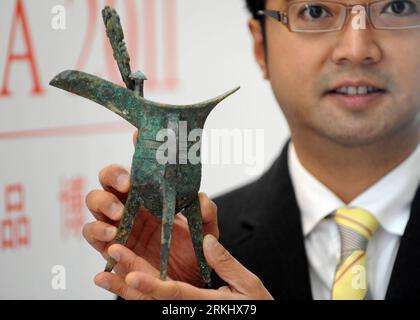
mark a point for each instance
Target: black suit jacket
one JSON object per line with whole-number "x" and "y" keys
{"x": 260, "y": 224}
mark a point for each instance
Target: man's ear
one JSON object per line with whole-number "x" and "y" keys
{"x": 259, "y": 50}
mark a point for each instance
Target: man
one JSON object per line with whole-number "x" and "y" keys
{"x": 336, "y": 216}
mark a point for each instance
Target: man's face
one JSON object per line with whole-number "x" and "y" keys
{"x": 303, "y": 68}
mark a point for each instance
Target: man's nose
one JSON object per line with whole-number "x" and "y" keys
{"x": 356, "y": 45}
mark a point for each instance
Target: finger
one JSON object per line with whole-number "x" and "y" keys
{"x": 228, "y": 268}
{"x": 172, "y": 290}
{"x": 99, "y": 231}
{"x": 181, "y": 218}
{"x": 209, "y": 213}
{"x": 104, "y": 204}
{"x": 135, "y": 136}
{"x": 116, "y": 284}
{"x": 128, "y": 261}
{"x": 115, "y": 177}
{"x": 98, "y": 234}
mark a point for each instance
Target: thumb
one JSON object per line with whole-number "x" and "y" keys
{"x": 227, "y": 267}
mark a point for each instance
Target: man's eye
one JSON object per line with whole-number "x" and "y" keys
{"x": 401, "y": 8}
{"x": 314, "y": 12}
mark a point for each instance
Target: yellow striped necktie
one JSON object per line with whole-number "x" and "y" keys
{"x": 356, "y": 227}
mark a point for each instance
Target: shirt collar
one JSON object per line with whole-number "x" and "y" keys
{"x": 389, "y": 199}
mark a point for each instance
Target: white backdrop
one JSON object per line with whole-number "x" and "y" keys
{"x": 53, "y": 144}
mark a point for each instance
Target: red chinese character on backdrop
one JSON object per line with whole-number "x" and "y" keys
{"x": 15, "y": 227}
{"x": 72, "y": 206}
{"x": 142, "y": 38}
{"x": 14, "y": 198}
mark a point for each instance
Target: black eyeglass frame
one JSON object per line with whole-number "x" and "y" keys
{"x": 283, "y": 17}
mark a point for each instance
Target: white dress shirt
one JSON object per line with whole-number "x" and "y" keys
{"x": 389, "y": 200}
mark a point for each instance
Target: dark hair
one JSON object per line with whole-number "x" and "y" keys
{"x": 253, "y": 7}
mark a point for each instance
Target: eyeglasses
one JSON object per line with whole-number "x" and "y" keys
{"x": 326, "y": 16}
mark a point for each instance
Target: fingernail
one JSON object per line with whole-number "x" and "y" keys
{"x": 104, "y": 284}
{"x": 116, "y": 210}
{"x": 123, "y": 182}
{"x": 204, "y": 194}
{"x": 114, "y": 255}
{"x": 210, "y": 241}
{"x": 110, "y": 232}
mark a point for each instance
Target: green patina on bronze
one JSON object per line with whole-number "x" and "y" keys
{"x": 163, "y": 189}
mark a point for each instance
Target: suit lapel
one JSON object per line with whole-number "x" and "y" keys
{"x": 405, "y": 277}
{"x": 275, "y": 234}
